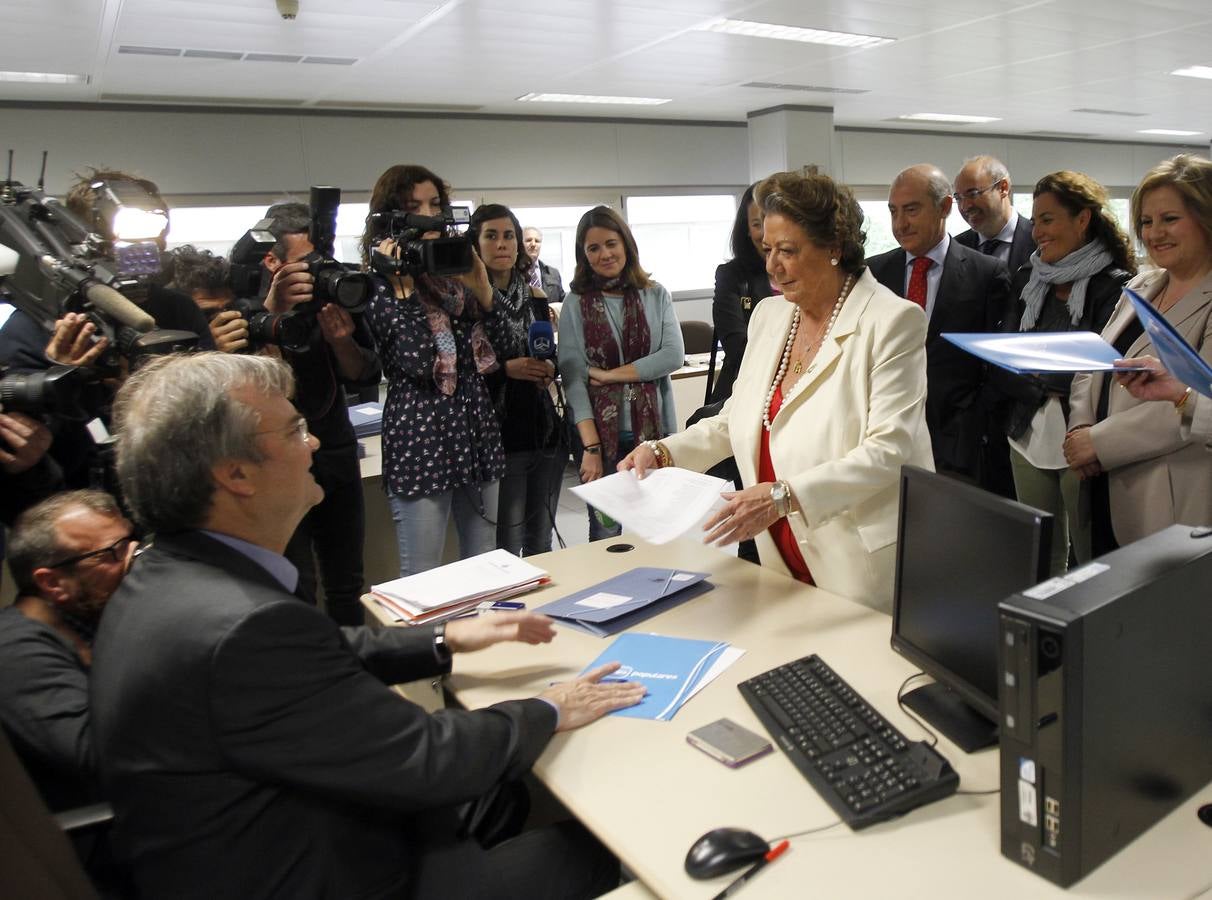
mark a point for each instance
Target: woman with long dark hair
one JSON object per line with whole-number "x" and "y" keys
{"x": 619, "y": 343}
{"x": 442, "y": 454}
{"x": 740, "y": 284}
{"x": 1071, "y": 283}
{"x": 531, "y": 429}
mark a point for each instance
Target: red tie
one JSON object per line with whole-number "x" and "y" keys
{"x": 917, "y": 280}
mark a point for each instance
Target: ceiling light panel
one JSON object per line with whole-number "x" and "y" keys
{"x": 1194, "y": 72}
{"x": 592, "y": 98}
{"x": 1169, "y": 132}
{"x": 792, "y": 33}
{"x": 43, "y": 78}
{"x": 949, "y": 118}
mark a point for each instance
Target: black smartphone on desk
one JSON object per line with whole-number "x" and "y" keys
{"x": 728, "y": 742}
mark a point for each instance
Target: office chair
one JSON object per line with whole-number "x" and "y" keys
{"x": 698, "y": 337}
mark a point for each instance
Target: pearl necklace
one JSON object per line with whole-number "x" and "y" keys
{"x": 795, "y": 327}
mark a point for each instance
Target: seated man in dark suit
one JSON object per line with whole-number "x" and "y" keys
{"x": 67, "y": 555}
{"x": 250, "y": 747}
{"x": 960, "y": 290}
{"x": 984, "y": 196}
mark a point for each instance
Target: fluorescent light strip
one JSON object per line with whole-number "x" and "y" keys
{"x": 592, "y": 98}
{"x": 44, "y": 77}
{"x": 1169, "y": 132}
{"x": 791, "y": 33}
{"x": 1194, "y": 72}
{"x": 948, "y": 117}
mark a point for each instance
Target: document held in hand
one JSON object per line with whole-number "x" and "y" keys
{"x": 1040, "y": 351}
{"x": 1180, "y": 358}
{"x": 627, "y": 599}
{"x": 671, "y": 668}
{"x": 665, "y": 504}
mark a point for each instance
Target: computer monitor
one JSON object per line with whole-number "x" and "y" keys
{"x": 961, "y": 551}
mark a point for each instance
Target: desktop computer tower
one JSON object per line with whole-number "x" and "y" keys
{"x": 1105, "y": 702}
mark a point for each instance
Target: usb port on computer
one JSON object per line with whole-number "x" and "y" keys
{"x": 1051, "y": 824}
{"x": 1052, "y": 805}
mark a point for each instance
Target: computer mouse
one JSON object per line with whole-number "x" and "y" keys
{"x": 724, "y": 850}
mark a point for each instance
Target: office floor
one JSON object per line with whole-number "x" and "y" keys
{"x": 572, "y": 522}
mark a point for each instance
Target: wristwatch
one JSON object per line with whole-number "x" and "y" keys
{"x": 780, "y": 494}
{"x": 441, "y": 649}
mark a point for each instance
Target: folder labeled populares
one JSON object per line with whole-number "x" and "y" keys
{"x": 1180, "y": 358}
{"x": 670, "y": 668}
{"x": 627, "y": 599}
{"x": 1039, "y": 352}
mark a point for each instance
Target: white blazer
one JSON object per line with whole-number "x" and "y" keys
{"x": 839, "y": 439}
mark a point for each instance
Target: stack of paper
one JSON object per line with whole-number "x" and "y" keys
{"x": 627, "y": 599}
{"x": 673, "y": 670}
{"x": 458, "y": 587}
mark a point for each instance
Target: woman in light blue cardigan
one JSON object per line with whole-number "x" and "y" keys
{"x": 619, "y": 342}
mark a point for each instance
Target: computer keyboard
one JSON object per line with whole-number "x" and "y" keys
{"x": 856, "y": 760}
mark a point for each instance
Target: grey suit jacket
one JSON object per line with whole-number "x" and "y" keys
{"x": 253, "y": 750}
{"x": 1158, "y": 472}
{"x": 1021, "y": 247}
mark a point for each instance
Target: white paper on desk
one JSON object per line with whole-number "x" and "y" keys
{"x": 666, "y": 504}
{"x": 477, "y": 577}
{"x": 722, "y": 662}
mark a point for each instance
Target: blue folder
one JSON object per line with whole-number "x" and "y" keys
{"x": 669, "y": 667}
{"x": 366, "y": 418}
{"x": 1040, "y": 351}
{"x": 619, "y": 603}
{"x": 1180, "y": 358}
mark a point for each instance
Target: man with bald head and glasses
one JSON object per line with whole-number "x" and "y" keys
{"x": 984, "y": 198}
{"x": 67, "y": 555}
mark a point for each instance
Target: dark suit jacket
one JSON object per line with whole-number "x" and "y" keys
{"x": 737, "y": 291}
{"x": 972, "y": 294}
{"x": 553, "y": 285}
{"x": 1021, "y": 247}
{"x": 251, "y": 748}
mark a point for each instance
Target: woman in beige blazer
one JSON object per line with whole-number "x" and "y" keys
{"x": 1145, "y": 470}
{"x": 828, "y": 404}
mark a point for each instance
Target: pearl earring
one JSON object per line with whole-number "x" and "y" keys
{"x": 833, "y": 262}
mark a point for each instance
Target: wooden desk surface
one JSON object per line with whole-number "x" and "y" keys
{"x": 648, "y": 794}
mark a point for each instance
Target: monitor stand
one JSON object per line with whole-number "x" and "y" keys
{"x": 946, "y": 710}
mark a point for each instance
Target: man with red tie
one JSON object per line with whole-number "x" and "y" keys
{"x": 961, "y": 290}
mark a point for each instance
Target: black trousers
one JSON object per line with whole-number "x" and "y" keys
{"x": 333, "y": 533}
{"x": 475, "y": 851}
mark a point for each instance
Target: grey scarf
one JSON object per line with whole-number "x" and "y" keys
{"x": 1075, "y": 269}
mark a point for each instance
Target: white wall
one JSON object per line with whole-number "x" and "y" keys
{"x": 208, "y": 153}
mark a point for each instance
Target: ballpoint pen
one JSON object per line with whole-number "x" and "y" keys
{"x": 672, "y": 572}
{"x": 770, "y": 857}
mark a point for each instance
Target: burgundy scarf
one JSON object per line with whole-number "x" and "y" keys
{"x": 602, "y": 351}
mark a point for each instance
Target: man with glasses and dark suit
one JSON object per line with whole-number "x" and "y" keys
{"x": 67, "y": 555}
{"x": 983, "y": 195}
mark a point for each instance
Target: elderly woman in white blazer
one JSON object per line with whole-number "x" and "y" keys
{"x": 1146, "y": 467}
{"x": 828, "y": 405}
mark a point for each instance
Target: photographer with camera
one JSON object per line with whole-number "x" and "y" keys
{"x": 206, "y": 278}
{"x": 442, "y": 454}
{"x": 101, "y": 203}
{"x": 339, "y": 352}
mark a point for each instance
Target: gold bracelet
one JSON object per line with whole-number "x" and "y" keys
{"x": 661, "y": 452}
{"x": 1178, "y": 407}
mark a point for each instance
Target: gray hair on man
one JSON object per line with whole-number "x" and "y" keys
{"x": 990, "y": 166}
{"x": 938, "y": 185}
{"x": 176, "y": 419}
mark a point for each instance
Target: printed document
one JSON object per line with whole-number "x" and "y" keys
{"x": 668, "y": 503}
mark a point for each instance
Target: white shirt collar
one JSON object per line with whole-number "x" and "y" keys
{"x": 937, "y": 253}
{"x": 1007, "y": 232}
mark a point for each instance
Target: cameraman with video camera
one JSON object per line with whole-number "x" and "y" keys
{"x": 338, "y": 352}
{"x": 442, "y": 453}
{"x": 91, "y": 337}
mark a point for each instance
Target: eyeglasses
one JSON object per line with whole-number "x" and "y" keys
{"x": 115, "y": 551}
{"x": 973, "y": 193}
{"x": 298, "y": 426}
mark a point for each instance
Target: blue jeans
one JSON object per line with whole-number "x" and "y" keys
{"x": 421, "y": 524}
{"x": 530, "y": 492}
{"x": 598, "y": 530}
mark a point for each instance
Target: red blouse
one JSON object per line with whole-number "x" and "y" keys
{"x": 780, "y": 531}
